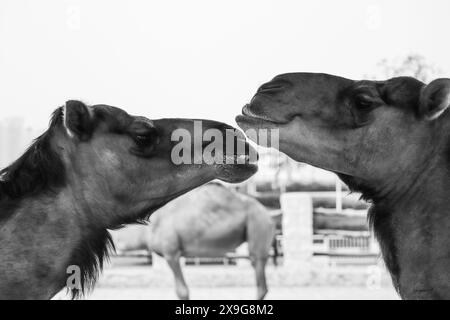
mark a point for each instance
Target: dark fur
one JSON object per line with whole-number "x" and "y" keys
{"x": 38, "y": 169}
{"x": 379, "y": 220}
{"x": 90, "y": 256}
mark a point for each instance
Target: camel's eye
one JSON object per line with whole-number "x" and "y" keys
{"x": 145, "y": 136}
{"x": 145, "y": 144}
{"x": 362, "y": 106}
{"x": 363, "y": 102}
{"x": 145, "y": 140}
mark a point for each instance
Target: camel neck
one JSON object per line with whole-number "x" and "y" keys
{"x": 37, "y": 242}
{"x": 411, "y": 227}
{"x": 52, "y": 233}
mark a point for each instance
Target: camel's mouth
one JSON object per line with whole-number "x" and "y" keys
{"x": 236, "y": 150}
{"x": 235, "y": 159}
{"x": 250, "y": 119}
{"x": 248, "y": 111}
{"x": 245, "y": 160}
{"x": 239, "y": 163}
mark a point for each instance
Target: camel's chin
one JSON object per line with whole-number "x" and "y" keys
{"x": 159, "y": 203}
{"x": 235, "y": 173}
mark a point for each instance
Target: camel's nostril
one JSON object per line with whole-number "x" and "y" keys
{"x": 275, "y": 86}
{"x": 270, "y": 88}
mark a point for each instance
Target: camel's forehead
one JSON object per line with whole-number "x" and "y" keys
{"x": 402, "y": 92}
{"x": 115, "y": 118}
{"x": 398, "y": 91}
{"x": 403, "y": 85}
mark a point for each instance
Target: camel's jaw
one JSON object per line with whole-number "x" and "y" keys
{"x": 158, "y": 203}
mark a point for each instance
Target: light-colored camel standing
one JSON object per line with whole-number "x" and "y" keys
{"x": 95, "y": 168}
{"x": 206, "y": 222}
{"x": 390, "y": 140}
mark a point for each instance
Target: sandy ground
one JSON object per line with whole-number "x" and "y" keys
{"x": 247, "y": 293}
{"x": 134, "y": 279}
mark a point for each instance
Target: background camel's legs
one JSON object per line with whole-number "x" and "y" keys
{"x": 259, "y": 264}
{"x": 275, "y": 251}
{"x": 260, "y": 233}
{"x": 180, "y": 284}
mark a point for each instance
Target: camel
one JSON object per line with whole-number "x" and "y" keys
{"x": 206, "y": 222}
{"x": 388, "y": 140}
{"x": 95, "y": 168}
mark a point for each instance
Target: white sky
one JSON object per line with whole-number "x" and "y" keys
{"x": 201, "y": 59}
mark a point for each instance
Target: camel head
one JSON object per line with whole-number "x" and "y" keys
{"x": 126, "y": 165}
{"x": 367, "y": 131}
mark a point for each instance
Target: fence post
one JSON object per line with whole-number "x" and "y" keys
{"x": 158, "y": 262}
{"x": 297, "y": 210}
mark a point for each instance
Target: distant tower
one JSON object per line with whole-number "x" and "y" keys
{"x": 13, "y": 140}
{"x": 3, "y": 152}
{"x": 15, "y": 136}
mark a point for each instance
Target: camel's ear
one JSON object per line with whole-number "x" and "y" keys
{"x": 78, "y": 119}
{"x": 435, "y": 99}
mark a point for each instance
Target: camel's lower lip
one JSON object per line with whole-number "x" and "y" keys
{"x": 234, "y": 173}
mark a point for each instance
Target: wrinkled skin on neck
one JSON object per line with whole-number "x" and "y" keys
{"x": 387, "y": 139}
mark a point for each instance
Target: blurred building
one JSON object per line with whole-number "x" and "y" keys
{"x": 15, "y": 137}
{"x": 279, "y": 171}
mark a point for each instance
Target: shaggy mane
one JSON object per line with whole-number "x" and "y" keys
{"x": 90, "y": 256}
{"x": 38, "y": 170}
